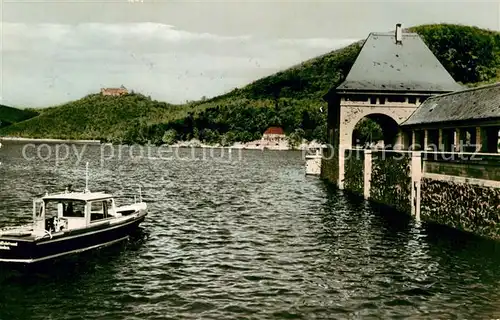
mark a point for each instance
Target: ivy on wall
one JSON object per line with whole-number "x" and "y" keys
{"x": 467, "y": 207}
{"x": 330, "y": 167}
{"x": 391, "y": 180}
{"x": 354, "y": 164}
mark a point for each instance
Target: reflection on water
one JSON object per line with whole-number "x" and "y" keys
{"x": 246, "y": 238}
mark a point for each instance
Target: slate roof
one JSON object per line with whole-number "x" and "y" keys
{"x": 479, "y": 103}
{"x": 383, "y": 65}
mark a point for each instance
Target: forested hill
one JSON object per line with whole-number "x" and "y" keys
{"x": 470, "y": 54}
{"x": 291, "y": 98}
{"x": 9, "y": 115}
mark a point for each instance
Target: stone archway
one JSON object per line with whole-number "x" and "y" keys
{"x": 346, "y": 110}
{"x": 388, "y": 135}
{"x": 388, "y": 117}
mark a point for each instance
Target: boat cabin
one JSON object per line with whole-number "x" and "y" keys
{"x": 73, "y": 210}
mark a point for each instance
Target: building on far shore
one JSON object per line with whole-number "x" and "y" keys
{"x": 274, "y": 134}
{"x": 273, "y": 138}
{"x": 114, "y": 91}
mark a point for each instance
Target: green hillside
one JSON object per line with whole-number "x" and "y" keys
{"x": 470, "y": 54}
{"x": 96, "y": 117}
{"x": 9, "y": 115}
{"x": 291, "y": 98}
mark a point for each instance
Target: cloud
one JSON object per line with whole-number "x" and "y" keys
{"x": 61, "y": 62}
{"x": 317, "y": 42}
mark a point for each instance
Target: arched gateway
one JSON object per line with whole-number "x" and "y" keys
{"x": 392, "y": 75}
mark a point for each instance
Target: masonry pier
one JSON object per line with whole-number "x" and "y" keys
{"x": 438, "y": 158}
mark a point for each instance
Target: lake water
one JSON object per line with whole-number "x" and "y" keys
{"x": 248, "y": 237}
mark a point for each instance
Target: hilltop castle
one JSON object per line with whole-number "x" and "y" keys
{"x": 114, "y": 91}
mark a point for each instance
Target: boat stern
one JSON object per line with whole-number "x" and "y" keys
{"x": 14, "y": 250}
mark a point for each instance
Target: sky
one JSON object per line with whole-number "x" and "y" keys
{"x": 56, "y": 51}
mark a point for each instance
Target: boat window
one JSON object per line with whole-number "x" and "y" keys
{"x": 51, "y": 208}
{"x": 98, "y": 210}
{"x": 65, "y": 208}
{"x": 39, "y": 209}
{"x": 73, "y": 209}
{"x": 108, "y": 206}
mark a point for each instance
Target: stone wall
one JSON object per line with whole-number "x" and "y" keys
{"x": 330, "y": 166}
{"x": 391, "y": 179}
{"x": 354, "y": 162}
{"x": 461, "y": 193}
{"x": 462, "y": 205}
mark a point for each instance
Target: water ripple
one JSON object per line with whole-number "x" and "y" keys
{"x": 253, "y": 239}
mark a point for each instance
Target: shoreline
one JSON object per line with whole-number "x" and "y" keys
{"x": 253, "y": 145}
{"x": 35, "y": 140}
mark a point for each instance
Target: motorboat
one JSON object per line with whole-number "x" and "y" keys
{"x": 70, "y": 222}
{"x": 313, "y": 162}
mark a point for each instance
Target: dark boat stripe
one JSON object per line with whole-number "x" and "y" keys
{"x": 64, "y": 253}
